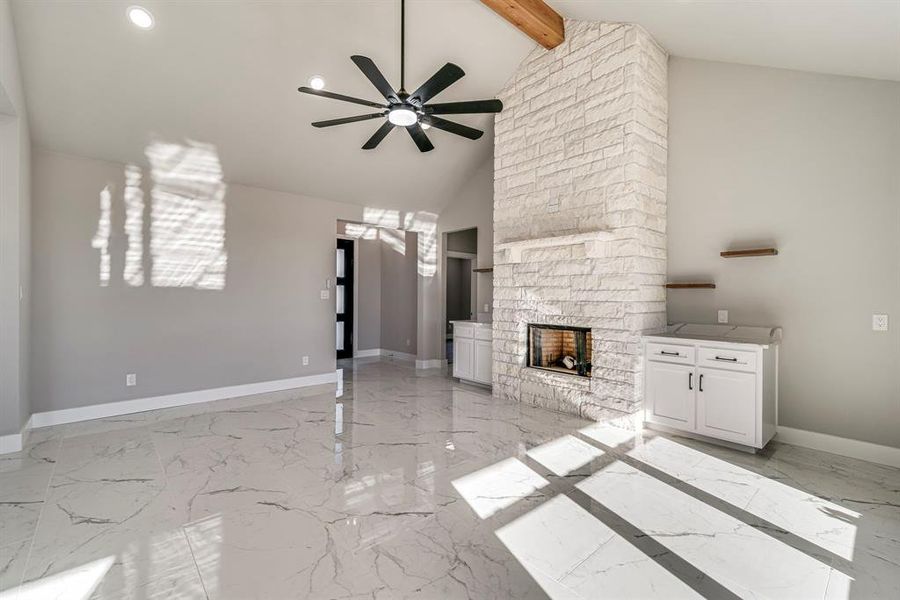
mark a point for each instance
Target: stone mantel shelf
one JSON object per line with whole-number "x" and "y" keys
{"x": 590, "y": 239}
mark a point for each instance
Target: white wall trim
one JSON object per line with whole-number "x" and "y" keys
{"x": 124, "y": 407}
{"x": 367, "y": 353}
{"x": 876, "y": 453}
{"x": 11, "y": 442}
{"x": 433, "y": 363}
{"x": 384, "y": 352}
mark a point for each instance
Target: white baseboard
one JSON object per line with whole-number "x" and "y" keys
{"x": 11, "y": 442}
{"x": 385, "y": 353}
{"x": 124, "y": 407}
{"x": 433, "y": 363}
{"x": 876, "y": 453}
{"x": 367, "y": 353}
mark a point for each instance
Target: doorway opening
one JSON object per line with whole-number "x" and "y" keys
{"x": 343, "y": 295}
{"x": 461, "y": 257}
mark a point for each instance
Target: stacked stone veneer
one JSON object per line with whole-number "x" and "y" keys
{"x": 580, "y": 147}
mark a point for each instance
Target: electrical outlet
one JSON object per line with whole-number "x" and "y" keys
{"x": 305, "y": 361}
{"x": 879, "y": 322}
{"x": 407, "y": 342}
{"x": 131, "y": 379}
{"x": 553, "y": 205}
{"x": 487, "y": 308}
{"x": 723, "y": 316}
{"x": 324, "y": 294}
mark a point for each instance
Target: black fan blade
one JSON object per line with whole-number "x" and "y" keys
{"x": 419, "y": 137}
{"x": 379, "y": 135}
{"x": 341, "y": 97}
{"x": 444, "y": 78}
{"x": 458, "y": 129}
{"x": 346, "y": 120}
{"x": 465, "y": 108}
{"x": 367, "y": 66}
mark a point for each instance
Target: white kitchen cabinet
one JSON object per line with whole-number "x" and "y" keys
{"x": 463, "y": 357}
{"x": 726, "y": 405}
{"x": 716, "y": 381}
{"x": 670, "y": 396}
{"x": 472, "y": 351}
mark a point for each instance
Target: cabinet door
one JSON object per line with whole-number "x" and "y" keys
{"x": 670, "y": 395}
{"x": 463, "y": 357}
{"x": 483, "y": 359}
{"x": 726, "y": 405}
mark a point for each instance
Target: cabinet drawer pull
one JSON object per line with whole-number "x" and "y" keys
{"x": 664, "y": 353}
{"x": 726, "y": 358}
{"x": 690, "y": 381}
{"x": 701, "y": 382}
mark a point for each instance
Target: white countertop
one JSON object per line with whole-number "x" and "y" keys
{"x": 732, "y": 334}
{"x": 481, "y": 323}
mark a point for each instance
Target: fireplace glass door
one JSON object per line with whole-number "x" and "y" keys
{"x": 560, "y": 348}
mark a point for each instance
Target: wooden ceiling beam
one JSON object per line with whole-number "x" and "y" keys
{"x": 534, "y": 18}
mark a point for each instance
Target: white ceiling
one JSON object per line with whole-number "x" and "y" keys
{"x": 844, "y": 37}
{"x": 226, "y": 73}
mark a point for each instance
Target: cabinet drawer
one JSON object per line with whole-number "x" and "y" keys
{"x": 736, "y": 360}
{"x": 483, "y": 333}
{"x": 463, "y": 330}
{"x": 670, "y": 353}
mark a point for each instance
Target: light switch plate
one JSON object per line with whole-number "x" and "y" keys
{"x": 879, "y": 322}
{"x": 130, "y": 379}
{"x": 305, "y": 361}
{"x": 323, "y": 294}
{"x": 723, "y": 316}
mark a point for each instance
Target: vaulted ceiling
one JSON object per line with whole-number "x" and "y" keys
{"x": 227, "y": 73}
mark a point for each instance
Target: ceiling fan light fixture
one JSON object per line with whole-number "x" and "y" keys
{"x": 402, "y": 116}
{"x": 317, "y": 82}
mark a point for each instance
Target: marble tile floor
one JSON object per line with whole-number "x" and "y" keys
{"x": 413, "y": 485}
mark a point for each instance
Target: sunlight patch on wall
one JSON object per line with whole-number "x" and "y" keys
{"x": 134, "y": 227}
{"x": 101, "y": 238}
{"x": 187, "y": 226}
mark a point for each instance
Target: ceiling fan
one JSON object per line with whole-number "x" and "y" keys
{"x": 410, "y": 110}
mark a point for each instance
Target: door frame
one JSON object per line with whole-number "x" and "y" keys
{"x": 351, "y": 284}
{"x": 342, "y": 236}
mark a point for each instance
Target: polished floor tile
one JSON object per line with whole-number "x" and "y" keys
{"x": 411, "y": 485}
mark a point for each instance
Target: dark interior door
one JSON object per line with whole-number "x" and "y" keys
{"x": 343, "y": 293}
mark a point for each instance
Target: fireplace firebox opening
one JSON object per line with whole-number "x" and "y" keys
{"x": 560, "y": 348}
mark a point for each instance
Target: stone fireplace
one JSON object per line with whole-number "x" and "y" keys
{"x": 580, "y": 216}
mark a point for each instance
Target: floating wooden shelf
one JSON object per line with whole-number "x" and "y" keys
{"x": 691, "y": 286}
{"x": 751, "y": 252}
{"x": 484, "y": 270}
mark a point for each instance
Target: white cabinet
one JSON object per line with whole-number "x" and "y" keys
{"x": 472, "y": 351}
{"x": 669, "y": 395}
{"x": 463, "y": 357}
{"x": 483, "y": 358}
{"x": 720, "y": 389}
{"x": 726, "y": 405}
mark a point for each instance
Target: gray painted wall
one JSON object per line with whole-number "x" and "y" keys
{"x": 459, "y": 289}
{"x": 811, "y": 164}
{"x": 463, "y": 241}
{"x": 368, "y": 294}
{"x": 399, "y": 294}
{"x": 86, "y": 337}
{"x": 15, "y": 215}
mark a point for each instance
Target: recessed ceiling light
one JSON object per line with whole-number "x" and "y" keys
{"x": 140, "y": 17}
{"x": 316, "y": 82}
